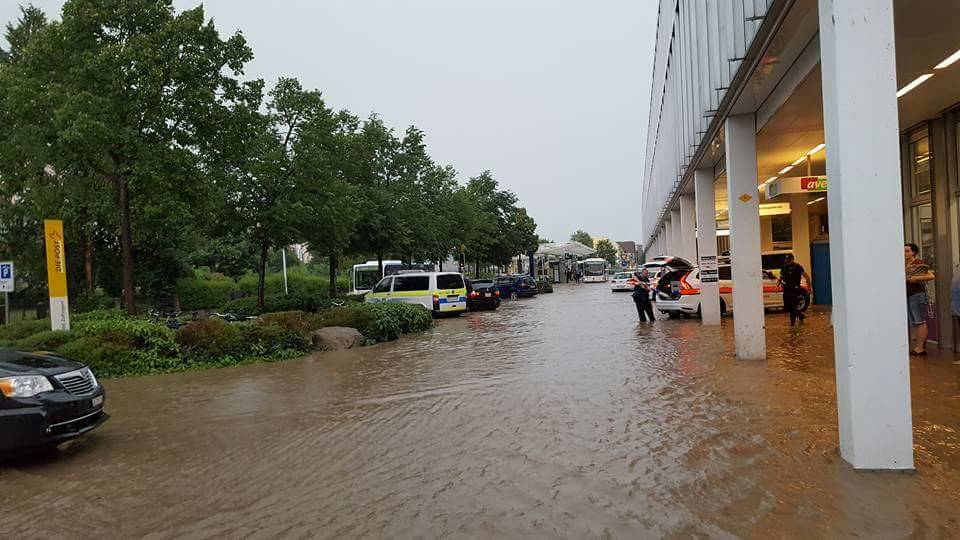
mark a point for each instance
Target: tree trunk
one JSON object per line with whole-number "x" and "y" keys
{"x": 126, "y": 244}
{"x": 380, "y": 263}
{"x": 333, "y": 276}
{"x": 262, "y": 278}
{"x": 477, "y": 268}
{"x": 440, "y": 264}
{"x": 88, "y": 264}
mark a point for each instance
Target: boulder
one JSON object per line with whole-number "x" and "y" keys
{"x": 337, "y": 338}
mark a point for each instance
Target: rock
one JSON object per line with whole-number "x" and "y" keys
{"x": 337, "y": 338}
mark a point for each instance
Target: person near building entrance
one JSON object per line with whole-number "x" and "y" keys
{"x": 641, "y": 296}
{"x": 789, "y": 281}
{"x": 918, "y": 274}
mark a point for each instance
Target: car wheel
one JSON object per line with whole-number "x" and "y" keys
{"x": 804, "y": 302}
{"x": 513, "y": 295}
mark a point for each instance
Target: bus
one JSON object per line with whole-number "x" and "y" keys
{"x": 365, "y": 275}
{"x": 594, "y": 270}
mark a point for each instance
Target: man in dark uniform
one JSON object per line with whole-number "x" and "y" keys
{"x": 641, "y": 295}
{"x": 790, "y": 276}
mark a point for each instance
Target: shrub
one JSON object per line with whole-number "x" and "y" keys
{"x": 292, "y": 302}
{"x": 380, "y": 322}
{"x": 357, "y": 316}
{"x": 99, "y": 300}
{"x": 209, "y": 338}
{"x": 112, "y": 359}
{"x": 132, "y": 333}
{"x": 23, "y": 329}
{"x": 299, "y": 281}
{"x": 297, "y": 321}
{"x": 47, "y": 340}
{"x": 261, "y": 340}
{"x": 204, "y": 291}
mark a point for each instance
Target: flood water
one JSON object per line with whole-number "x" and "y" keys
{"x": 555, "y": 417}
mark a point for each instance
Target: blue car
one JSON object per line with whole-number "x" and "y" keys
{"x": 516, "y": 286}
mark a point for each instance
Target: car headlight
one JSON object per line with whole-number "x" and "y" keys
{"x": 24, "y": 386}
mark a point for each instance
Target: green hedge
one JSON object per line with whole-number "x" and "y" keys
{"x": 205, "y": 291}
{"x": 291, "y": 302}
{"x": 299, "y": 282}
{"x": 380, "y": 322}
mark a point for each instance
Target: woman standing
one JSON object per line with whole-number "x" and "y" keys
{"x": 918, "y": 274}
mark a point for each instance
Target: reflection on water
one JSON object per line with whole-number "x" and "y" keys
{"x": 559, "y": 416}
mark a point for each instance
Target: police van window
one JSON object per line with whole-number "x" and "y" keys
{"x": 411, "y": 283}
{"x": 724, "y": 272}
{"x": 449, "y": 281}
{"x": 383, "y": 286}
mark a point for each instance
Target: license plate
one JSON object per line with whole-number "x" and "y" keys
{"x": 453, "y": 298}
{"x": 487, "y": 295}
{"x": 97, "y": 401}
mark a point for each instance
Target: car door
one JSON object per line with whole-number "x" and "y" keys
{"x": 380, "y": 291}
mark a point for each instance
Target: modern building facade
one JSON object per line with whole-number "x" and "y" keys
{"x": 829, "y": 129}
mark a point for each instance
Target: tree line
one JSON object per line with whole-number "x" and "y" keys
{"x": 134, "y": 124}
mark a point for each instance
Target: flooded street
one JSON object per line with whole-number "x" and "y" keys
{"x": 559, "y": 416}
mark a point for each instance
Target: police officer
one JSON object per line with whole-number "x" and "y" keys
{"x": 789, "y": 280}
{"x": 641, "y": 295}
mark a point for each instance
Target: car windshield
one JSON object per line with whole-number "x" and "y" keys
{"x": 504, "y": 280}
{"x": 482, "y": 282}
{"x": 621, "y": 276}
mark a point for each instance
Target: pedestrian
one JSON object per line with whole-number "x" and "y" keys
{"x": 641, "y": 296}
{"x": 918, "y": 274}
{"x": 790, "y": 283}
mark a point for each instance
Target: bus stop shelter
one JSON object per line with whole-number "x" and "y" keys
{"x": 557, "y": 257}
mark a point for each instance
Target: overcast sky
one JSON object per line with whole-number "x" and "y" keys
{"x": 550, "y": 95}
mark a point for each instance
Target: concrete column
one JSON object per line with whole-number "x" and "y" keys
{"x": 707, "y": 242}
{"x": 688, "y": 228}
{"x": 870, "y": 336}
{"x": 667, "y": 238}
{"x": 800, "y": 230}
{"x": 744, "y": 200}
{"x": 676, "y": 244}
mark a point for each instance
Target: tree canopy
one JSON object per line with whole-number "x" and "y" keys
{"x": 582, "y": 237}
{"x": 134, "y": 124}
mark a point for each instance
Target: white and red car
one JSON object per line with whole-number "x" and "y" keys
{"x": 623, "y": 281}
{"x": 682, "y": 295}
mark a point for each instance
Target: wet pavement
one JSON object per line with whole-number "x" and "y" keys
{"x": 555, "y": 417}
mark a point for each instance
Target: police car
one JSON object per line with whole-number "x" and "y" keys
{"x": 440, "y": 292}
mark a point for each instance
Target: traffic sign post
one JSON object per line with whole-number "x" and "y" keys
{"x": 6, "y": 285}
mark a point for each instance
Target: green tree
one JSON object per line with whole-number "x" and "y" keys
{"x": 582, "y": 237}
{"x": 606, "y": 250}
{"x": 130, "y": 93}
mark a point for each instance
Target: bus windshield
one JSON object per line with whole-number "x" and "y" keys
{"x": 593, "y": 268}
{"x": 365, "y": 278}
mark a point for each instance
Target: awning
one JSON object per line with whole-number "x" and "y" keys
{"x": 560, "y": 249}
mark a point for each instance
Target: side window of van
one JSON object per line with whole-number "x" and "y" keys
{"x": 449, "y": 281}
{"x": 383, "y": 286}
{"x": 411, "y": 283}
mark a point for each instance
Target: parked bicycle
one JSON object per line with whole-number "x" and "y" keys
{"x": 170, "y": 319}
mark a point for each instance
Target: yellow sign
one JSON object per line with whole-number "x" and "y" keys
{"x": 57, "y": 274}
{"x": 745, "y": 198}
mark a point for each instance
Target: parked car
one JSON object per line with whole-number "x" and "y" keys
{"x": 45, "y": 400}
{"x": 482, "y": 295}
{"x": 623, "y": 281}
{"x": 678, "y": 292}
{"x": 516, "y": 286}
{"x": 661, "y": 265}
{"x": 544, "y": 286}
{"x": 441, "y": 292}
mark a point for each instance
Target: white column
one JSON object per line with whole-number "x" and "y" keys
{"x": 676, "y": 242}
{"x": 667, "y": 238}
{"x": 707, "y": 242}
{"x": 744, "y": 200}
{"x": 862, "y": 136}
{"x": 800, "y": 230}
{"x": 688, "y": 228}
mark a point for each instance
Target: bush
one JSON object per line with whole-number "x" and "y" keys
{"x": 99, "y": 300}
{"x": 292, "y": 302}
{"x": 297, "y": 321}
{"x": 357, "y": 316}
{"x": 204, "y": 291}
{"x": 264, "y": 340}
{"x": 380, "y": 322}
{"x": 153, "y": 339}
{"x": 209, "y": 338}
{"x": 23, "y": 329}
{"x": 48, "y": 340}
{"x": 299, "y": 282}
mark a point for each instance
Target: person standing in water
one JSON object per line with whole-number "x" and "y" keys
{"x": 789, "y": 281}
{"x": 918, "y": 274}
{"x": 641, "y": 296}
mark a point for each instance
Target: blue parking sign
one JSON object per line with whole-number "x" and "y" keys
{"x": 6, "y": 271}
{"x": 6, "y": 277}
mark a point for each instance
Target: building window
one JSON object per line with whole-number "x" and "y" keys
{"x": 923, "y": 232}
{"x": 920, "y": 156}
{"x": 782, "y": 228}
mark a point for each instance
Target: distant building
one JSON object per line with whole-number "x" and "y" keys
{"x": 627, "y": 252}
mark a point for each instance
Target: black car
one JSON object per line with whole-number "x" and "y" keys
{"x": 516, "y": 286}
{"x": 482, "y": 295}
{"x": 45, "y": 400}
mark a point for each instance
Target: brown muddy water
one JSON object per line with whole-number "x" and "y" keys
{"x": 556, "y": 417}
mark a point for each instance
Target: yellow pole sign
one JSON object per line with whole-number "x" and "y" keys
{"x": 57, "y": 274}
